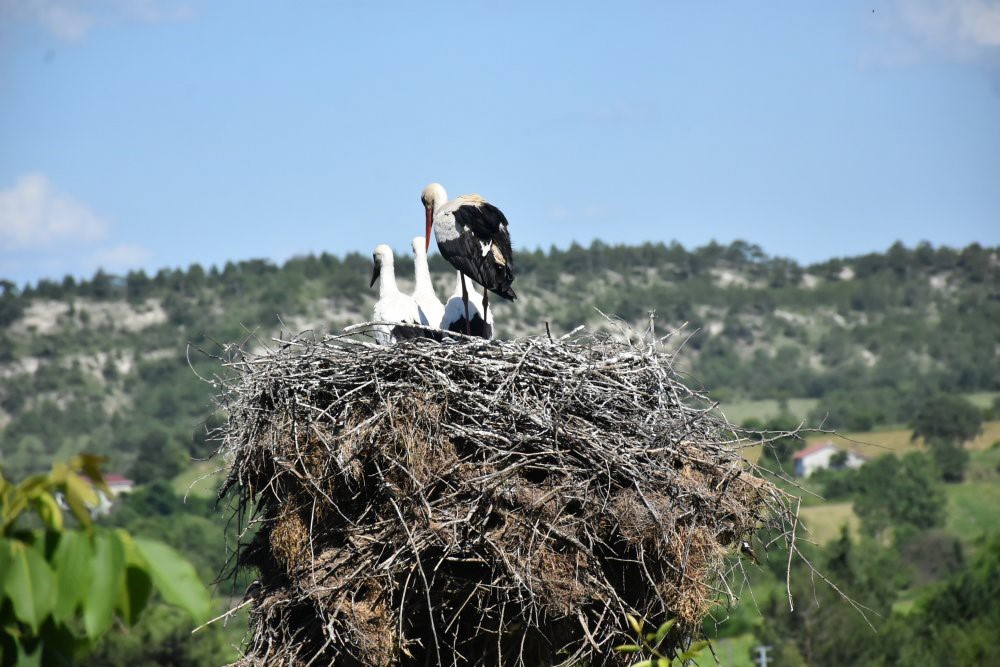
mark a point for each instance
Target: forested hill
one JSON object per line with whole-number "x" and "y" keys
{"x": 101, "y": 365}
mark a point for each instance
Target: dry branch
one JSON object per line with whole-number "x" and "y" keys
{"x": 478, "y": 502}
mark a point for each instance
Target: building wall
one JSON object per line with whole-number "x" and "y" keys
{"x": 820, "y": 460}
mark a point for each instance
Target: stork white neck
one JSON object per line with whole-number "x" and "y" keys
{"x": 421, "y": 272}
{"x": 386, "y": 271}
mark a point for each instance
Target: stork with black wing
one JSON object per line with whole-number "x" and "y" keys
{"x": 472, "y": 235}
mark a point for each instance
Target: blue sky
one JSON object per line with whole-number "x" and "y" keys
{"x": 152, "y": 133}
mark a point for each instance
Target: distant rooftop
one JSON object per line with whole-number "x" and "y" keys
{"x": 116, "y": 480}
{"x": 812, "y": 449}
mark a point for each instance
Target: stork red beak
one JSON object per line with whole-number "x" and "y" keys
{"x": 430, "y": 223}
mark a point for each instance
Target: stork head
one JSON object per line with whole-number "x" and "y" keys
{"x": 419, "y": 246}
{"x": 381, "y": 256}
{"x": 433, "y": 197}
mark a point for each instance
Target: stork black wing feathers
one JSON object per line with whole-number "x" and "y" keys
{"x": 485, "y": 220}
{"x": 466, "y": 254}
{"x": 478, "y": 225}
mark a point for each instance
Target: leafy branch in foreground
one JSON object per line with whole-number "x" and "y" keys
{"x": 652, "y": 643}
{"x": 62, "y": 587}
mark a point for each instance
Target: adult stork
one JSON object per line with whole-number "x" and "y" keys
{"x": 393, "y": 307}
{"x": 431, "y": 308}
{"x": 472, "y": 235}
{"x": 455, "y": 313}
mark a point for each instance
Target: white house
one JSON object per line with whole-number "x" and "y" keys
{"x": 819, "y": 456}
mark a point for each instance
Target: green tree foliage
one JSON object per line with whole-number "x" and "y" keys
{"x": 62, "y": 587}
{"x": 162, "y": 459}
{"x": 951, "y": 459}
{"x": 162, "y": 637}
{"x": 932, "y": 555}
{"x": 945, "y": 422}
{"x": 947, "y": 418}
{"x": 11, "y": 306}
{"x": 956, "y": 622}
{"x": 953, "y": 622}
{"x": 835, "y": 483}
{"x": 899, "y": 492}
{"x": 817, "y": 631}
{"x": 778, "y": 449}
{"x": 858, "y": 409}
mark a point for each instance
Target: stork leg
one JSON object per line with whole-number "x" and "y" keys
{"x": 486, "y": 304}
{"x": 465, "y": 302}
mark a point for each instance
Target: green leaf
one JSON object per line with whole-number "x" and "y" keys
{"x": 28, "y": 659}
{"x": 138, "y": 581}
{"x": 80, "y": 497}
{"x": 136, "y": 589}
{"x": 643, "y": 663}
{"x": 663, "y": 630}
{"x": 30, "y": 486}
{"x": 61, "y": 645}
{"x": 635, "y": 623}
{"x": 72, "y": 564}
{"x": 29, "y": 583}
{"x": 57, "y": 475}
{"x": 137, "y": 584}
{"x": 106, "y": 579}
{"x": 5, "y": 555}
{"x": 14, "y": 503}
{"x": 49, "y": 511}
{"x": 90, "y": 465}
{"x": 628, "y": 648}
{"x": 694, "y": 650}
{"x": 175, "y": 578}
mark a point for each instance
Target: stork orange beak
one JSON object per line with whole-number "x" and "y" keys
{"x": 430, "y": 223}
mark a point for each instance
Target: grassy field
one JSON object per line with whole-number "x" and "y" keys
{"x": 732, "y": 651}
{"x": 973, "y": 506}
{"x": 982, "y": 399}
{"x": 973, "y": 509}
{"x": 740, "y": 411}
{"x": 877, "y": 443}
{"x": 825, "y": 521}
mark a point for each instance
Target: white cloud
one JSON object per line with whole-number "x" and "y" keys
{"x": 47, "y": 233}
{"x": 67, "y": 21}
{"x": 34, "y": 215}
{"x": 72, "y": 20}
{"x": 119, "y": 257}
{"x": 964, "y": 29}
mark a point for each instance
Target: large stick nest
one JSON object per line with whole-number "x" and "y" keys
{"x": 477, "y": 502}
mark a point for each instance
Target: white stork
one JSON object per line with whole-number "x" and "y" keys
{"x": 472, "y": 235}
{"x": 455, "y": 313}
{"x": 431, "y": 308}
{"x": 392, "y": 306}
